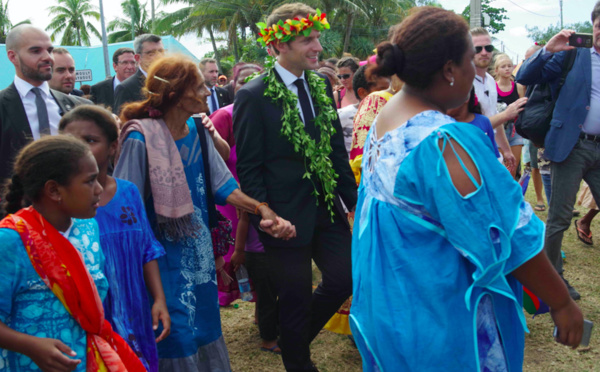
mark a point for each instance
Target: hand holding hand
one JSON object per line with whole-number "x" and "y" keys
{"x": 49, "y": 355}
{"x": 559, "y": 42}
{"x": 513, "y": 110}
{"x": 160, "y": 312}
{"x": 569, "y": 321}
{"x": 275, "y": 225}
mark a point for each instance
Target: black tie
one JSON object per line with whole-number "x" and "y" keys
{"x": 307, "y": 111}
{"x": 42, "y": 111}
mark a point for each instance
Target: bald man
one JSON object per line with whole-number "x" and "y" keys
{"x": 28, "y": 107}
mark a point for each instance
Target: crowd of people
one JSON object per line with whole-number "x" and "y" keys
{"x": 128, "y": 209}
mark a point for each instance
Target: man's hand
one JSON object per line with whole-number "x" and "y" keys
{"x": 513, "y": 110}
{"x": 274, "y": 225}
{"x": 560, "y": 42}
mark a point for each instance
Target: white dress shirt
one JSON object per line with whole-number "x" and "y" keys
{"x": 289, "y": 79}
{"x": 211, "y": 107}
{"x": 28, "y": 99}
{"x": 486, "y": 92}
{"x": 116, "y": 83}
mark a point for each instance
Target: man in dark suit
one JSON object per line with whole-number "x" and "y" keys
{"x": 219, "y": 97}
{"x": 124, "y": 65}
{"x": 271, "y": 170}
{"x": 147, "y": 48}
{"x": 28, "y": 107}
{"x": 573, "y": 141}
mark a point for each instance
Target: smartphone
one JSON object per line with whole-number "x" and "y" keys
{"x": 581, "y": 40}
{"x": 587, "y": 332}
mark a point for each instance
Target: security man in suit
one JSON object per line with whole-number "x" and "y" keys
{"x": 147, "y": 48}
{"x": 124, "y": 64}
{"x": 29, "y": 109}
{"x": 219, "y": 97}
{"x": 63, "y": 75}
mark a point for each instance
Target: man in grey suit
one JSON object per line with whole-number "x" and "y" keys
{"x": 28, "y": 107}
{"x": 147, "y": 48}
{"x": 125, "y": 66}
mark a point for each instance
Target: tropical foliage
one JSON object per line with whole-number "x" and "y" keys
{"x": 543, "y": 35}
{"x": 71, "y": 19}
{"x": 5, "y": 23}
{"x": 497, "y": 16}
{"x": 135, "y": 22}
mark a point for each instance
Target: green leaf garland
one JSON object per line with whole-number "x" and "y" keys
{"x": 316, "y": 155}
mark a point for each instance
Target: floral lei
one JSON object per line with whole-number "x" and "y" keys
{"x": 286, "y": 31}
{"x": 316, "y": 155}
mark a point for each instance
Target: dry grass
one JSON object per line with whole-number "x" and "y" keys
{"x": 335, "y": 353}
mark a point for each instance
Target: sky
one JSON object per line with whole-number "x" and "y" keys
{"x": 541, "y": 13}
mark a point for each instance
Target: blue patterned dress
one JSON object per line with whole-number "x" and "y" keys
{"x": 188, "y": 268}
{"x": 27, "y": 305}
{"x": 431, "y": 268}
{"x": 128, "y": 243}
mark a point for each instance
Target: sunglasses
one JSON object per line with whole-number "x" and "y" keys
{"x": 488, "y": 48}
{"x": 345, "y": 76}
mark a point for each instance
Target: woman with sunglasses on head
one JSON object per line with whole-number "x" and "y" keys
{"x": 442, "y": 236}
{"x": 172, "y": 160}
{"x": 346, "y": 66}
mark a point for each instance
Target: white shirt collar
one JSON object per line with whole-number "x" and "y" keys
{"x": 116, "y": 82}
{"x": 287, "y": 77}
{"x": 143, "y": 72}
{"x": 24, "y": 87}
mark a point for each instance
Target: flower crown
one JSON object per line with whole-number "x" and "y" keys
{"x": 288, "y": 30}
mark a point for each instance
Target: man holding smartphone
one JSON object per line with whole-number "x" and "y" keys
{"x": 572, "y": 141}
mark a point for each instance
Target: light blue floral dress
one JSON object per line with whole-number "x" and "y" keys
{"x": 431, "y": 269}
{"x": 27, "y": 305}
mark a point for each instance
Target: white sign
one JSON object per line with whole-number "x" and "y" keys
{"x": 83, "y": 75}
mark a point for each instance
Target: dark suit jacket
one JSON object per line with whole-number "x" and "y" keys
{"x": 103, "y": 92}
{"x": 77, "y": 92}
{"x": 271, "y": 171}
{"x": 129, "y": 91}
{"x": 15, "y": 132}
{"x": 573, "y": 102}
{"x": 223, "y": 98}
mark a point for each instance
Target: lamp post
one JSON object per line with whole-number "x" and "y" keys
{"x": 475, "y": 16}
{"x": 104, "y": 42}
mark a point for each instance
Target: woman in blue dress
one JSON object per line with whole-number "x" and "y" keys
{"x": 171, "y": 159}
{"x": 442, "y": 236}
{"x": 127, "y": 241}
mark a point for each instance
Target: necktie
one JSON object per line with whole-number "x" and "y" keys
{"x": 307, "y": 112}
{"x": 42, "y": 111}
{"x": 213, "y": 100}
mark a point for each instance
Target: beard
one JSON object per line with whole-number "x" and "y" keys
{"x": 482, "y": 64}
{"x": 32, "y": 73}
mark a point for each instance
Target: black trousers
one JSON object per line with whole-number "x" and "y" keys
{"x": 302, "y": 312}
{"x": 266, "y": 293}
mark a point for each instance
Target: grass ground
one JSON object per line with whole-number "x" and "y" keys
{"x": 335, "y": 353}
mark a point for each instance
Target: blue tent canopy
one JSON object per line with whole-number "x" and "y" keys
{"x": 91, "y": 58}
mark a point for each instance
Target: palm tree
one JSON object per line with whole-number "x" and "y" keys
{"x": 5, "y": 23}
{"x": 70, "y": 19}
{"x": 135, "y": 22}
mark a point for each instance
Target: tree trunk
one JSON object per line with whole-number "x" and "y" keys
{"x": 349, "y": 22}
{"x": 235, "y": 45}
{"x": 214, "y": 44}
{"x": 78, "y": 36}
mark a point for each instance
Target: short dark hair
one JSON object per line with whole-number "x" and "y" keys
{"x": 138, "y": 43}
{"x": 97, "y": 115}
{"x": 351, "y": 62}
{"x": 360, "y": 80}
{"x": 60, "y": 50}
{"x": 119, "y": 52}
{"x": 422, "y": 43}
{"x": 596, "y": 11}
